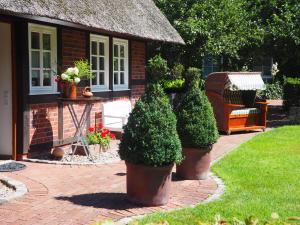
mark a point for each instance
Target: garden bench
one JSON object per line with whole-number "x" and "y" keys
{"x": 232, "y": 96}
{"x": 115, "y": 114}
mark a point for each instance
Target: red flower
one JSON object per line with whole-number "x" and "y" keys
{"x": 112, "y": 136}
{"x": 100, "y": 126}
{"x": 105, "y": 131}
{"x": 103, "y": 135}
{"x": 91, "y": 129}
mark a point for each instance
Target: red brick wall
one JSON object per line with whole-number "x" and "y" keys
{"x": 73, "y": 46}
{"x": 138, "y": 62}
{"x": 44, "y": 117}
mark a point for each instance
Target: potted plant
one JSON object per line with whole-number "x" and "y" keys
{"x": 69, "y": 79}
{"x": 150, "y": 146}
{"x": 197, "y": 129}
{"x": 99, "y": 137}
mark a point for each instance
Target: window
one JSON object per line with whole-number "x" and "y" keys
{"x": 120, "y": 64}
{"x": 211, "y": 64}
{"x": 42, "y": 59}
{"x": 263, "y": 64}
{"x": 99, "y": 52}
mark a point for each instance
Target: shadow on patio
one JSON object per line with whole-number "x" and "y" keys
{"x": 114, "y": 201}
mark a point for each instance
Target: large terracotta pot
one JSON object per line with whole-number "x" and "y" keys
{"x": 148, "y": 186}
{"x": 195, "y": 165}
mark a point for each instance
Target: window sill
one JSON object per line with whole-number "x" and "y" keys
{"x": 44, "y": 93}
{"x": 122, "y": 89}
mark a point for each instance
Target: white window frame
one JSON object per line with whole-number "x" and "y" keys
{"x": 118, "y": 87}
{"x": 105, "y": 41}
{"x": 41, "y": 29}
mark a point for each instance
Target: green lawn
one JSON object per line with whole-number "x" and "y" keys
{"x": 261, "y": 176}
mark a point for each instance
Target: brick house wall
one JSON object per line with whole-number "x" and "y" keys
{"x": 44, "y": 118}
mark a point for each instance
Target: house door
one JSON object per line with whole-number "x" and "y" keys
{"x": 6, "y": 113}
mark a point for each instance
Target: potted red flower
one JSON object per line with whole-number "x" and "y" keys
{"x": 99, "y": 137}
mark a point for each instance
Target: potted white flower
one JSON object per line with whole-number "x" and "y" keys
{"x": 69, "y": 79}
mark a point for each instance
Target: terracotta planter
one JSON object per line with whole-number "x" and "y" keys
{"x": 195, "y": 165}
{"x": 70, "y": 91}
{"x": 149, "y": 186}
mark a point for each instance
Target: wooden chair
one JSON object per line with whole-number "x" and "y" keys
{"x": 115, "y": 115}
{"x": 232, "y": 96}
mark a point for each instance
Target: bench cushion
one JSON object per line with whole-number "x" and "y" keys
{"x": 245, "y": 111}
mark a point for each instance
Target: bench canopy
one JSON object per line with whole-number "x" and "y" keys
{"x": 234, "y": 81}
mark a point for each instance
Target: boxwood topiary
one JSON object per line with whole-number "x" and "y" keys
{"x": 196, "y": 124}
{"x": 150, "y": 137}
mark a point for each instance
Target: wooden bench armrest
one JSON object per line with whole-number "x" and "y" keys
{"x": 262, "y": 103}
{"x": 234, "y": 106}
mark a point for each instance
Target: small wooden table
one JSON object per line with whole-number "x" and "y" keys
{"x": 80, "y": 123}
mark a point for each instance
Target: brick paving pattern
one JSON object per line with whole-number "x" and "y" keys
{"x": 83, "y": 194}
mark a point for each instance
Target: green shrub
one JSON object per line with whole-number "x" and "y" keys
{"x": 196, "y": 124}
{"x": 171, "y": 86}
{"x": 157, "y": 69}
{"x": 150, "y": 137}
{"x": 272, "y": 91}
{"x": 177, "y": 71}
{"x": 291, "y": 92}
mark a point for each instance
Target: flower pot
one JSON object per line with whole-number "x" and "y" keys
{"x": 195, "y": 165}
{"x": 149, "y": 186}
{"x": 73, "y": 91}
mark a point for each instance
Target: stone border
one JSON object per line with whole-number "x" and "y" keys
{"x": 20, "y": 189}
{"x": 55, "y": 162}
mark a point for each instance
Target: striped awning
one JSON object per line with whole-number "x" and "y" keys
{"x": 244, "y": 82}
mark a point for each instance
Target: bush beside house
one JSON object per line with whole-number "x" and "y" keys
{"x": 197, "y": 129}
{"x": 150, "y": 146}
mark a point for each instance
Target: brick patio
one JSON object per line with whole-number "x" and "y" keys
{"x": 83, "y": 194}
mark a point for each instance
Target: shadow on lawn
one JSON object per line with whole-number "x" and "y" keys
{"x": 115, "y": 201}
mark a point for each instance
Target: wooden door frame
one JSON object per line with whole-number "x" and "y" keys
{"x": 14, "y": 87}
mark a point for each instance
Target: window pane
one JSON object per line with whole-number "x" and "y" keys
{"x": 94, "y": 48}
{"x": 35, "y": 78}
{"x": 46, "y": 42}
{"x": 46, "y": 60}
{"x": 122, "y": 51}
{"x": 122, "y": 79}
{"x": 116, "y": 51}
{"x": 101, "y": 48}
{"x": 94, "y": 79}
{"x": 47, "y": 78}
{"x": 101, "y": 78}
{"x": 122, "y": 65}
{"x": 116, "y": 65}
{"x": 94, "y": 63}
{"x": 116, "y": 80}
{"x": 35, "y": 40}
{"x": 35, "y": 59}
{"x": 101, "y": 63}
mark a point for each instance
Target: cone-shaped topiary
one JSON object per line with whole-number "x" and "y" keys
{"x": 150, "y": 137}
{"x": 196, "y": 124}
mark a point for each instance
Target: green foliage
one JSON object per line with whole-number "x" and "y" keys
{"x": 150, "y": 137}
{"x": 173, "y": 85}
{"x": 157, "y": 69}
{"x": 196, "y": 124}
{"x": 84, "y": 68}
{"x": 238, "y": 30}
{"x": 177, "y": 71}
{"x": 272, "y": 91}
{"x": 193, "y": 76}
{"x": 291, "y": 92}
{"x": 210, "y": 27}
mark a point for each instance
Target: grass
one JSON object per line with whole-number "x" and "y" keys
{"x": 262, "y": 176}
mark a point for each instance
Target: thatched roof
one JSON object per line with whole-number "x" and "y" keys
{"x": 139, "y": 18}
